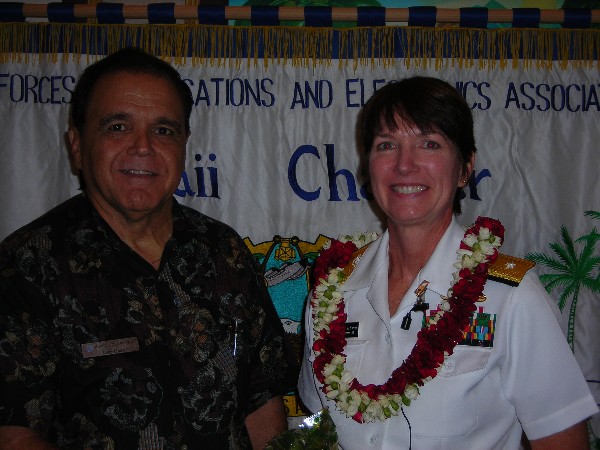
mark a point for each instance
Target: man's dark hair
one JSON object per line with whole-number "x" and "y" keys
{"x": 130, "y": 60}
{"x": 428, "y": 104}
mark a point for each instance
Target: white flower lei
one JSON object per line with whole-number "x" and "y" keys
{"x": 327, "y": 299}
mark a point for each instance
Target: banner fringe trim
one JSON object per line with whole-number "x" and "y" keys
{"x": 439, "y": 47}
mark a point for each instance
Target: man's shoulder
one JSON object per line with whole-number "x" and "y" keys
{"x": 202, "y": 224}
{"x": 32, "y": 250}
{"x": 59, "y": 220}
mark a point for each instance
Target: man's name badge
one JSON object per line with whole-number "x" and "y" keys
{"x": 351, "y": 329}
{"x": 103, "y": 348}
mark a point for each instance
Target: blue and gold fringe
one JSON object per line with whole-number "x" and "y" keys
{"x": 305, "y": 46}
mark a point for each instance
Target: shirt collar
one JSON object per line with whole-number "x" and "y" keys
{"x": 438, "y": 270}
{"x": 370, "y": 263}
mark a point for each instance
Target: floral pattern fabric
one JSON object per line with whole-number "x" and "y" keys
{"x": 209, "y": 346}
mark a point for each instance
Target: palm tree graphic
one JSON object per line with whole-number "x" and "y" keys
{"x": 572, "y": 271}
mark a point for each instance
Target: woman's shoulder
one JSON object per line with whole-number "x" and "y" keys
{"x": 509, "y": 269}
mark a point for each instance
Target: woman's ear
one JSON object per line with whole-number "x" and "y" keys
{"x": 467, "y": 171}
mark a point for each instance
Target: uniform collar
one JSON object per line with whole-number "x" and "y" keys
{"x": 369, "y": 265}
{"x": 439, "y": 268}
{"x": 371, "y": 271}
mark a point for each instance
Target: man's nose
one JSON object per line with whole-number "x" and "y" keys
{"x": 142, "y": 143}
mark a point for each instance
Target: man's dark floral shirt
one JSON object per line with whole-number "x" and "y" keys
{"x": 210, "y": 343}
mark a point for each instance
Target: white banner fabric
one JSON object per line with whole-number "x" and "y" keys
{"x": 273, "y": 152}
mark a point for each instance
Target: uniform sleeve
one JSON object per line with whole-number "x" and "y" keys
{"x": 541, "y": 376}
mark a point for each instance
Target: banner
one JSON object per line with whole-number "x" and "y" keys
{"x": 273, "y": 153}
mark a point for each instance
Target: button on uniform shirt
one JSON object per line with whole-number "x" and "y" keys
{"x": 495, "y": 385}
{"x": 100, "y": 350}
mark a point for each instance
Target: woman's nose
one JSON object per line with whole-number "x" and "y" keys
{"x": 405, "y": 160}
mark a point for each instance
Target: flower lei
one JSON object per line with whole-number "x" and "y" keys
{"x": 478, "y": 249}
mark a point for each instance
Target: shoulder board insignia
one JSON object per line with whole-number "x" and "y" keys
{"x": 509, "y": 270}
{"x": 354, "y": 261}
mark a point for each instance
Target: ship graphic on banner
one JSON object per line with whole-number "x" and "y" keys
{"x": 286, "y": 266}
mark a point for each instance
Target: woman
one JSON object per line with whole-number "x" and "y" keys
{"x": 386, "y": 346}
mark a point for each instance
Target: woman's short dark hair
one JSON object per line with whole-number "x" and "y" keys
{"x": 427, "y": 103}
{"x": 130, "y": 60}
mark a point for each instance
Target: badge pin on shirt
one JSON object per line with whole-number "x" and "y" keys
{"x": 420, "y": 304}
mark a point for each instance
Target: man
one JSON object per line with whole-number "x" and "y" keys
{"x": 127, "y": 320}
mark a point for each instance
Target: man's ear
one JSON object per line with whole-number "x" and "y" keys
{"x": 74, "y": 141}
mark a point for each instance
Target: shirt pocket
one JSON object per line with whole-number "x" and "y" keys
{"x": 464, "y": 360}
{"x": 355, "y": 352}
{"x": 451, "y": 403}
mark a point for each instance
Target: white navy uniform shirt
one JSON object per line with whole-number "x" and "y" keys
{"x": 483, "y": 397}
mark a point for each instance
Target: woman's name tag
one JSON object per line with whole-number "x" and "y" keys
{"x": 351, "y": 329}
